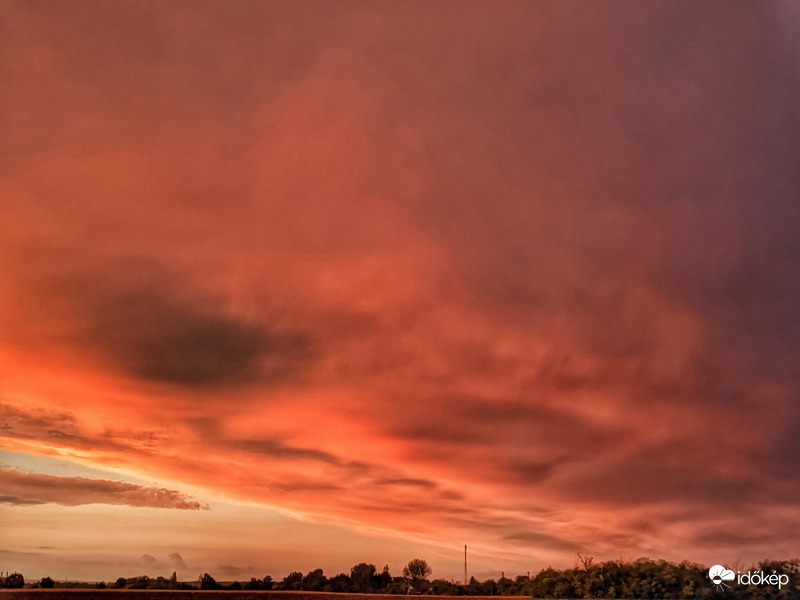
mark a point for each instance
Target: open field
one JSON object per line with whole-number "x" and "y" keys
{"x": 55, "y": 594}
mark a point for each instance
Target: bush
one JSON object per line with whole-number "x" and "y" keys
{"x": 15, "y": 580}
{"x": 207, "y": 582}
{"x": 253, "y": 584}
{"x": 142, "y": 582}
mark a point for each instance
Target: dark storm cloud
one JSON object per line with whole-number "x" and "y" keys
{"x": 668, "y": 168}
{"x": 483, "y": 421}
{"x": 74, "y": 491}
{"x": 672, "y": 475}
{"x": 656, "y": 224}
{"x": 159, "y": 339}
{"x": 150, "y": 324}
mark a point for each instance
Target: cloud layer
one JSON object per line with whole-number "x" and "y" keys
{"x": 24, "y": 489}
{"x": 522, "y": 276}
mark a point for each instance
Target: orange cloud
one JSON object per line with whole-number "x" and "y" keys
{"x": 34, "y": 488}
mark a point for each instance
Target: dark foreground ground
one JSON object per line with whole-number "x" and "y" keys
{"x": 55, "y": 594}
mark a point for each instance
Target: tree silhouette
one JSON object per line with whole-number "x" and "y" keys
{"x": 339, "y": 583}
{"x": 315, "y": 581}
{"x": 207, "y": 582}
{"x": 417, "y": 569}
{"x": 253, "y": 584}
{"x": 293, "y": 581}
{"x": 385, "y": 578}
{"x": 363, "y": 577}
{"x": 15, "y": 580}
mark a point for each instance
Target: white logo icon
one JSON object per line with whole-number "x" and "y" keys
{"x": 719, "y": 575}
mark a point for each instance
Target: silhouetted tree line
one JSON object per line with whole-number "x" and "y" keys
{"x": 646, "y": 579}
{"x": 143, "y": 582}
{"x": 364, "y": 578}
{"x": 641, "y": 579}
{"x": 13, "y": 580}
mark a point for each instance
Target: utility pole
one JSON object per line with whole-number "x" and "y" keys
{"x": 465, "y": 565}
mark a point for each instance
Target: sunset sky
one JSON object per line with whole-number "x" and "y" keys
{"x": 288, "y": 285}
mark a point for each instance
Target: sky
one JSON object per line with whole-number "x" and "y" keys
{"x": 298, "y": 285}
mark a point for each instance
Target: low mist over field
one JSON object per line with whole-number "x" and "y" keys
{"x": 297, "y": 285}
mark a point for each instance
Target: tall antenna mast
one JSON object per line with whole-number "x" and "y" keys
{"x": 465, "y": 564}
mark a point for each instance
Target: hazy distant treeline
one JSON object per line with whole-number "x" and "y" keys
{"x": 643, "y": 578}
